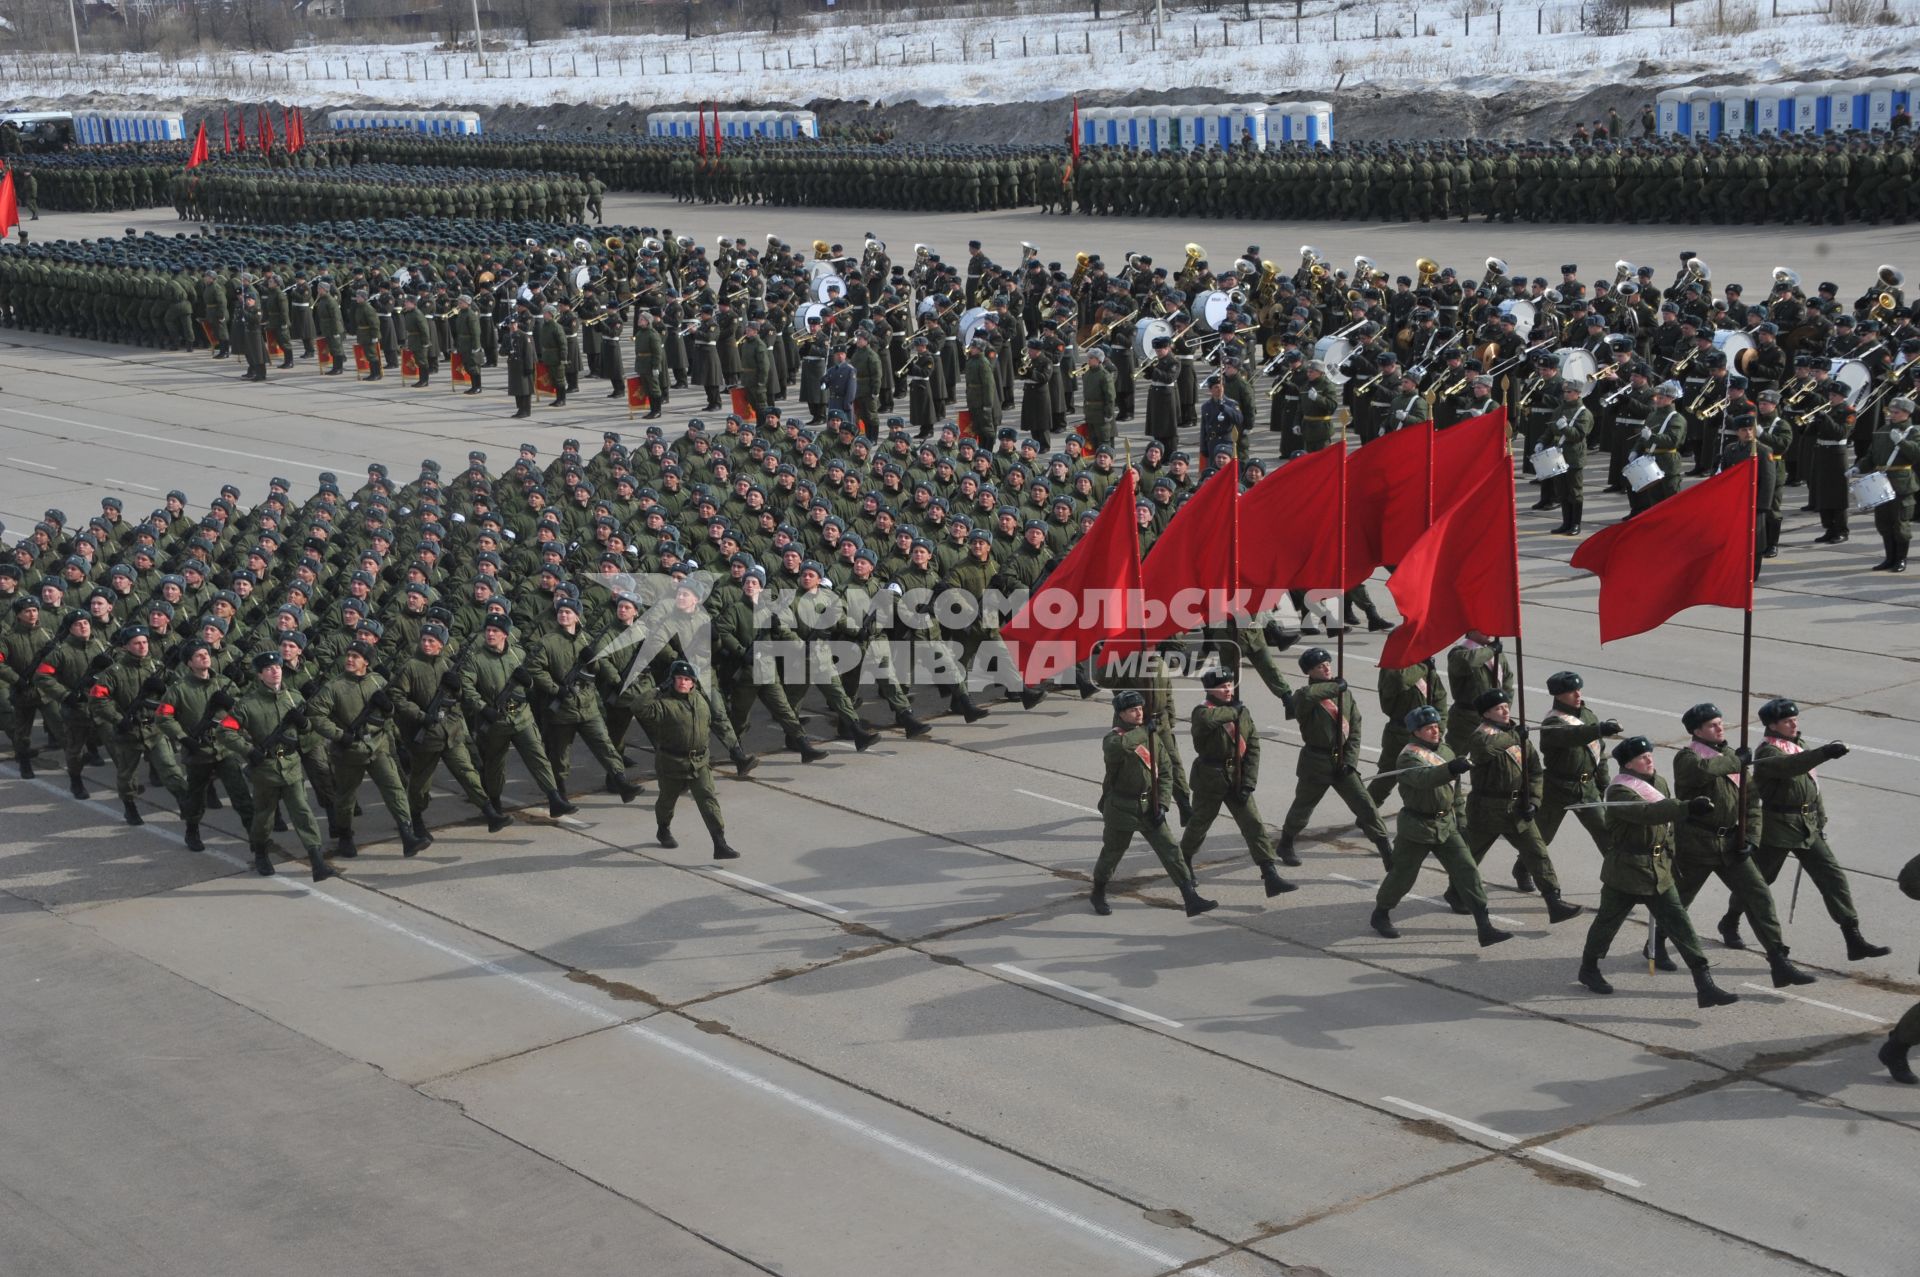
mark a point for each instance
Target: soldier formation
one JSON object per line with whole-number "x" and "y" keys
{"x": 455, "y": 618}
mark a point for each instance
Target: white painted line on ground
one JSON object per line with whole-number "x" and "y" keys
{"x": 1501, "y": 1137}
{"x": 39, "y": 465}
{"x": 1024, "y": 974}
{"x": 1815, "y": 1002}
{"x": 1811, "y": 740}
{"x": 1059, "y": 1214}
{"x": 128, "y": 483}
{"x": 172, "y": 443}
{"x": 1049, "y": 798}
{"x": 757, "y": 885}
{"x": 1413, "y": 895}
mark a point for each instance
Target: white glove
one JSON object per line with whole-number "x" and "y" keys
{"x": 1645, "y": 434}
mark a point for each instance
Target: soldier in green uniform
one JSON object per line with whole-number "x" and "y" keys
{"x": 266, "y": 721}
{"x": 1429, "y": 782}
{"x": 1226, "y": 769}
{"x": 1507, "y": 787}
{"x": 353, "y": 711}
{"x": 122, "y": 701}
{"x": 1568, "y": 430}
{"x": 678, "y": 721}
{"x": 1794, "y": 821}
{"x": 493, "y": 692}
{"x": 426, "y": 700}
{"x": 61, "y": 677}
{"x": 1319, "y": 401}
{"x": 1711, "y": 844}
{"x": 1329, "y": 720}
{"x": 1571, "y": 754}
{"x": 1133, "y": 800}
{"x": 1402, "y": 691}
{"x": 1638, "y": 869}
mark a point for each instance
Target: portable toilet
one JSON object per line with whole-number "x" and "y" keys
{"x": 1128, "y": 130}
{"x": 1187, "y": 120}
{"x": 1319, "y": 123}
{"x": 1246, "y": 118}
{"x": 1847, "y": 106}
{"x": 1736, "y": 112}
{"x": 1880, "y": 91}
{"x": 1773, "y": 108}
{"x": 1806, "y": 101}
{"x": 1159, "y": 128}
{"x": 1670, "y": 105}
{"x": 1703, "y": 105}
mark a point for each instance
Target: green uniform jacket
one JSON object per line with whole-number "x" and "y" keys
{"x": 551, "y": 659}
{"x": 1713, "y": 771}
{"x": 254, "y": 717}
{"x": 1794, "y": 813}
{"x": 337, "y": 704}
{"x": 414, "y": 687}
{"x": 1130, "y": 786}
{"x": 118, "y": 689}
{"x": 678, "y": 725}
{"x": 1226, "y": 748}
{"x": 1497, "y": 782}
{"x": 1428, "y": 794}
{"x": 1639, "y": 859}
{"x": 1576, "y": 767}
{"x": 487, "y": 675}
{"x": 1329, "y": 722}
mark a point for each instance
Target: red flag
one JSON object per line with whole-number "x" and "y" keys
{"x": 1189, "y": 578}
{"x": 1462, "y": 574}
{"x": 700, "y": 147}
{"x": 199, "y": 155}
{"x": 1691, "y": 549}
{"x": 717, "y": 139}
{"x": 9, "y": 205}
{"x": 1075, "y": 142}
{"x": 1463, "y": 448}
{"x": 240, "y": 118}
{"x": 266, "y": 131}
{"x": 1292, "y": 520}
{"x": 1087, "y": 599}
{"x": 226, "y": 131}
{"x": 300, "y": 129}
{"x": 1398, "y": 484}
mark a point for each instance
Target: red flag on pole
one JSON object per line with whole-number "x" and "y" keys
{"x": 1087, "y": 599}
{"x": 700, "y": 147}
{"x": 199, "y": 155}
{"x": 1190, "y": 576}
{"x": 1462, "y": 574}
{"x": 1389, "y": 490}
{"x": 717, "y": 137}
{"x": 1291, "y": 520}
{"x": 266, "y": 131}
{"x": 9, "y": 205}
{"x": 300, "y": 125}
{"x": 240, "y": 119}
{"x": 226, "y": 132}
{"x": 1690, "y": 550}
{"x": 1075, "y": 141}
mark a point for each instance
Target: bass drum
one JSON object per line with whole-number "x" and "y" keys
{"x": 1523, "y": 313}
{"x": 1854, "y": 375}
{"x": 1577, "y": 366}
{"x": 1737, "y": 347}
{"x": 1212, "y": 307}
{"x": 970, "y": 321}
{"x": 1143, "y": 337}
{"x": 805, "y": 312}
{"x": 1333, "y": 352}
{"x": 822, "y": 283}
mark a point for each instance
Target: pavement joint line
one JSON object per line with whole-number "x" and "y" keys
{"x": 1024, "y": 974}
{"x": 1815, "y": 1002}
{"x": 756, "y": 884}
{"x": 1511, "y": 1141}
{"x": 1049, "y": 798}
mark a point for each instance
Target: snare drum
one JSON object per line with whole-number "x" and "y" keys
{"x": 1548, "y": 463}
{"x": 1869, "y": 491}
{"x": 1642, "y": 472}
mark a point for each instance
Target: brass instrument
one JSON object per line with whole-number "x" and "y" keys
{"x": 613, "y": 243}
{"x": 1314, "y": 264}
{"x": 1697, "y": 271}
{"x": 1194, "y": 254}
{"x": 1080, "y": 261}
{"x": 1680, "y": 364}
{"x": 1696, "y": 410}
{"x": 1125, "y": 277}
{"x": 1882, "y": 305}
{"x": 1890, "y": 276}
{"x": 821, "y": 250}
{"x": 1222, "y": 336}
{"x": 1081, "y": 371}
{"x": 1526, "y": 395}
{"x": 1455, "y": 388}
{"x": 1496, "y": 269}
{"x": 1428, "y": 270}
{"x": 1104, "y": 327}
{"x": 1623, "y": 270}
{"x": 1370, "y": 383}
{"x": 1626, "y": 388}
{"x": 1786, "y": 278}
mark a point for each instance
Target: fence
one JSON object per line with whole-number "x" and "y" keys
{"x": 739, "y": 53}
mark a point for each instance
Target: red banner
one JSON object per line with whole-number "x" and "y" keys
{"x": 457, "y": 370}
{"x": 323, "y": 352}
{"x": 409, "y": 367}
{"x": 636, "y": 395}
{"x": 361, "y": 364}
{"x": 743, "y": 407}
{"x": 543, "y": 380}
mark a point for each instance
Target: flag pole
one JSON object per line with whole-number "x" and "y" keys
{"x": 1746, "y": 625}
{"x": 1340, "y": 583}
{"x": 1519, "y": 643}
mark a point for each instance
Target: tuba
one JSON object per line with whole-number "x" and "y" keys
{"x": 1195, "y": 254}
{"x": 1080, "y": 261}
{"x": 1891, "y": 276}
{"x": 1787, "y": 278}
{"x": 613, "y": 243}
{"x": 1428, "y": 270}
{"x": 821, "y": 250}
{"x": 1496, "y": 269}
{"x": 1698, "y": 272}
{"x": 1623, "y": 270}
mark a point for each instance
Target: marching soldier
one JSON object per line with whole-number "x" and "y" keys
{"x": 1568, "y": 431}
{"x": 1638, "y": 869}
{"x": 1429, "y": 782}
{"x": 1573, "y": 760}
{"x": 1226, "y": 769}
{"x": 493, "y": 692}
{"x": 1507, "y": 788}
{"x": 1133, "y": 800}
{"x": 464, "y": 328}
{"x": 561, "y": 664}
{"x": 1896, "y": 450}
{"x": 1402, "y": 691}
{"x": 123, "y": 700}
{"x": 678, "y": 720}
{"x": 353, "y": 712}
{"x": 266, "y": 720}
{"x": 426, "y": 700}
{"x": 1329, "y": 720}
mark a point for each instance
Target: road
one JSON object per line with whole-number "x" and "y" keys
{"x": 892, "y": 1034}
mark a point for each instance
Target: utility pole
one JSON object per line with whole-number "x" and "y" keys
{"x": 479, "y": 41}
{"x": 73, "y": 15}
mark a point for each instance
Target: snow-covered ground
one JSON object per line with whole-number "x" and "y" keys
{"x": 1490, "y": 51}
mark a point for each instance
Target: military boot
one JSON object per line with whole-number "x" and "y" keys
{"x": 1274, "y": 883}
{"x": 1857, "y": 945}
{"x": 1784, "y": 972}
{"x": 1707, "y": 993}
{"x": 1194, "y": 903}
{"x": 1099, "y": 898}
{"x": 132, "y": 811}
{"x": 1558, "y": 910}
{"x": 192, "y": 836}
{"x": 496, "y": 819}
{"x": 963, "y": 704}
{"x": 557, "y": 804}
{"x": 76, "y": 785}
{"x": 1522, "y": 880}
{"x": 664, "y": 836}
{"x": 262, "y": 862}
{"x": 1590, "y": 976}
{"x": 721, "y": 849}
{"x": 1284, "y": 850}
{"x": 1894, "y": 1056}
{"x": 1488, "y": 933}
{"x": 1383, "y": 923}
{"x": 808, "y": 752}
{"x": 317, "y": 862}
{"x": 1730, "y": 929}
{"x": 914, "y": 726}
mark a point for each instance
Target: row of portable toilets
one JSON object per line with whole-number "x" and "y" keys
{"x": 465, "y": 123}
{"x": 96, "y": 128}
{"x": 734, "y": 123}
{"x": 1187, "y": 128}
{"x": 1831, "y": 106}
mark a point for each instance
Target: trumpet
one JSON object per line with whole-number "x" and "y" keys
{"x": 1626, "y": 388}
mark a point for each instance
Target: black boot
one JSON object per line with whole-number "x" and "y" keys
{"x": 1275, "y": 884}
{"x": 1376, "y": 622}
{"x": 1707, "y": 993}
{"x": 1381, "y": 922}
{"x": 1730, "y": 930}
{"x": 1784, "y": 972}
{"x": 346, "y": 848}
{"x": 1083, "y": 684}
{"x": 721, "y": 849}
{"x": 1558, "y": 910}
{"x": 1894, "y": 1056}
{"x": 557, "y": 804}
{"x": 963, "y": 704}
{"x": 1284, "y": 850}
{"x": 914, "y": 726}
{"x": 192, "y": 836}
{"x": 77, "y": 786}
{"x": 806, "y": 749}
{"x": 421, "y": 834}
{"x": 1099, "y": 898}
{"x": 1385, "y": 848}
{"x": 26, "y": 767}
{"x": 496, "y": 819}
{"x": 665, "y": 838}
{"x": 317, "y": 862}
{"x": 863, "y": 739}
{"x": 1194, "y": 902}
{"x": 628, "y": 790}
{"x": 262, "y": 862}
{"x": 1857, "y": 946}
{"x": 132, "y": 811}
{"x": 1522, "y": 880}
{"x": 1489, "y": 934}
{"x": 410, "y": 846}
{"x": 1655, "y": 951}
{"x": 742, "y": 761}
{"x": 1591, "y": 977}
{"x": 1031, "y": 696}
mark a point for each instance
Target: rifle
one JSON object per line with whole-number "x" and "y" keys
{"x": 582, "y": 669}
{"x": 217, "y": 704}
{"x": 436, "y": 709}
{"x": 294, "y": 718}
{"x": 379, "y": 703}
{"x": 520, "y": 678}
{"x": 24, "y": 688}
{"x": 142, "y": 701}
